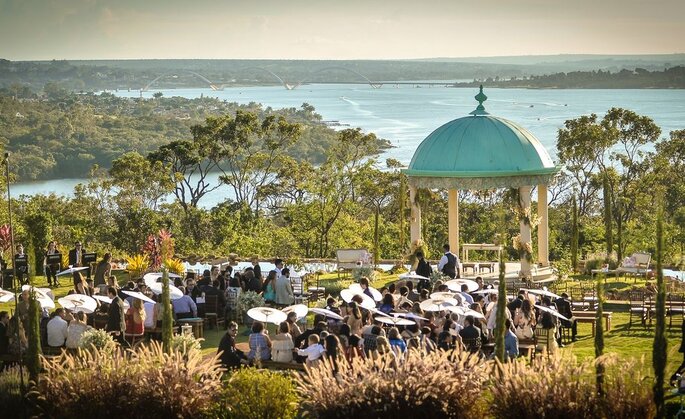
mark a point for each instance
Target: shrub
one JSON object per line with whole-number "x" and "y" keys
{"x": 597, "y": 260}
{"x": 435, "y": 385}
{"x": 175, "y": 266}
{"x": 252, "y": 393}
{"x": 334, "y": 288}
{"x": 361, "y": 271}
{"x": 248, "y": 300}
{"x": 98, "y": 339}
{"x": 146, "y": 383}
{"x": 137, "y": 265}
{"x": 563, "y": 387}
{"x": 185, "y": 343}
{"x": 11, "y": 399}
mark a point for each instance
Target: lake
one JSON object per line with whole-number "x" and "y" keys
{"x": 405, "y": 115}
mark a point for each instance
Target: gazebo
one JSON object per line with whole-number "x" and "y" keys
{"x": 479, "y": 152}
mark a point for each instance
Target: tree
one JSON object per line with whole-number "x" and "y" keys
{"x": 189, "y": 165}
{"x": 33, "y": 336}
{"x": 659, "y": 349}
{"x": 167, "y": 315}
{"x": 608, "y": 218}
{"x": 574, "y": 234}
{"x": 247, "y": 151}
{"x": 139, "y": 180}
{"x": 376, "y": 191}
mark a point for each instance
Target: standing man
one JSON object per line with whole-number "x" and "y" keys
{"x": 283, "y": 289}
{"x": 51, "y": 269}
{"x": 449, "y": 263}
{"x": 423, "y": 268}
{"x": 116, "y": 322}
{"x": 76, "y": 255}
{"x": 21, "y": 263}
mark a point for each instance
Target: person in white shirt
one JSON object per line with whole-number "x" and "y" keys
{"x": 449, "y": 263}
{"x": 57, "y": 328}
{"x": 150, "y": 318}
{"x": 314, "y": 351}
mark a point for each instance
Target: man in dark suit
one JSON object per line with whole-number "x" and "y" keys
{"x": 116, "y": 322}
{"x": 76, "y": 258}
{"x": 21, "y": 265}
{"x": 564, "y": 308}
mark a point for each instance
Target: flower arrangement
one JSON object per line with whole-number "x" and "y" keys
{"x": 417, "y": 245}
{"x": 185, "y": 343}
{"x": 361, "y": 271}
{"x": 97, "y": 339}
{"x": 137, "y": 265}
{"x": 248, "y": 300}
{"x": 525, "y": 249}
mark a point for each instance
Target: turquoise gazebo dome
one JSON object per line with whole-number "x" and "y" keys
{"x": 481, "y": 151}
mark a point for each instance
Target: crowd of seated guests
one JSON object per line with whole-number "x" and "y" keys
{"x": 360, "y": 334}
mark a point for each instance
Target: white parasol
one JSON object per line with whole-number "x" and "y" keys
{"x": 395, "y": 321}
{"x": 456, "y": 309}
{"x": 441, "y": 296}
{"x": 71, "y": 270}
{"x": 106, "y": 299}
{"x": 542, "y": 292}
{"x": 78, "y": 302}
{"x": 154, "y": 277}
{"x": 6, "y": 296}
{"x": 40, "y": 292}
{"x": 327, "y": 313}
{"x": 380, "y": 313}
{"x": 486, "y": 291}
{"x": 413, "y": 276}
{"x": 367, "y": 302}
{"x": 140, "y": 296}
{"x": 300, "y": 309}
{"x": 174, "y": 293}
{"x": 455, "y": 284}
{"x": 412, "y": 316}
{"x": 474, "y": 313}
{"x": 375, "y": 294}
{"x": 267, "y": 315}
{"x": 551, "y": 311}
{"x": 438, "y": 305}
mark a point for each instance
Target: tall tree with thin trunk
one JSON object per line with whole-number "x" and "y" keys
{"x": 599, "y": 335}
{"x": 608, "y": 233}
{"x": 501, "y": 312}
{"x": 167, "y": 318}
{"x": 659, "y": 348}
{"x": 33, "y": 335}
{"x": 574, "y": 234}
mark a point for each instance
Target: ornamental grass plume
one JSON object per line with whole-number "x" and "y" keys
{"x": 434, "y": 385}
{"x": 146, "y": 383}
{"x": 562, "y": 387}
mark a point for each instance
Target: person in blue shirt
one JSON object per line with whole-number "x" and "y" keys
{"x": 388, "y": 304}
{"x": 396, "y": 341}
{"x": 511, "y": 342}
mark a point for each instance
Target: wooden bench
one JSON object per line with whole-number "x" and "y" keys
{"x": 590, "y": 317}
{"x": 282, "y": 366}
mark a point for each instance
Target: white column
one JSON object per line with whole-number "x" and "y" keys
{"x": 524, "y": 194}
{"x": 415, "y": 218}
{"x": 453, "y": 220}
{"x": 543, "y": 226}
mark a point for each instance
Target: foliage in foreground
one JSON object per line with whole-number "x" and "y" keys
{"x": 145, "y": 383}
{"x": 11, "y": 399}
{"x": 252, "y": 393}
{"x": 436, "y": 385}
{"x": 563, "y": 387}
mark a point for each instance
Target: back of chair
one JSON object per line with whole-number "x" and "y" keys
{"x": 211, "y": 304}
{"x": 636, "y": 298}
{"x": 232, "y": 294}
{"x": 642, "y": 259}
{"x": 541, "y": 335}
{"x": 298, "y": 285}
{"x": 472, "y": 344}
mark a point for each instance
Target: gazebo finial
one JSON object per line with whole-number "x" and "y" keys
{"x": 480, "y": 109}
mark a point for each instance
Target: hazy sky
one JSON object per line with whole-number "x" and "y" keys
{"x": 335, "y": 29}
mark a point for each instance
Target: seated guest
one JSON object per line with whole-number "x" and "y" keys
{"x": 370, "y": 342}
{"x": 4, "y": 339}
{"x": 564, "y": 307}
{"x": 57, "y": 328}
{"x": 447, "y": 337}
{"x": 18, "y": 343}
{"x": 151, "y": 313}
{"x": 333, "y": 350}
{"x": 135, "y": 318}
{"x": 313, "y": 352}
{"x": 282, "y": 345}
{"x": 76, "y": 329}
{"x": 184, "y": 307}
{"x": 192, "y": 290}
{"x": 465, "y": 294}
{"x": 470, "y": 331}
{"x": 511, "y": 342}
{"x": 213, "y": 290}
{"x": 319, "y": 326}
{"x": 396, "y": 342}
{"x": 293, "y": 328}
{"x": 231, "y": 357}
{"x": 388, "y": 304}
{"x": 353, "y": 349}
{"x": 412, "y": 295}
{"x": 260, "y": 344}
{"x": 205, "y": 280}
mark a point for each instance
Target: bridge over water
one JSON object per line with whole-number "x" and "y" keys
{"x": 289, "y": 85}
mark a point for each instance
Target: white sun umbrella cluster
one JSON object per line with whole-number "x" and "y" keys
{"x": 71, "y": 270}
{"x": 43, "y": 296}
{"x": 300, "y": 310}
{"x": 455, "y": 284}
{"x": 375, "y": 294}
{"x": 413, "y": 276}
{"x": 438, "y": 304}
{"x": 106, "y": 299}
{"x": 543, "y": 292}
{"x": 174, "y": 292}
{"x": 551, "y": 311}
{"x": 326, "y": 312}
{"x": 155, "y": 278}
{"x": 6, "y": 296}
{"x": 140, "y": 296}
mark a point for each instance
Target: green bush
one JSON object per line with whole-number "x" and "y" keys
{"x": 252, "y": 393}
{"x": 146, "y": 384}
{"x": 435, "y": 385}
{"x": 597, "y": 260}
